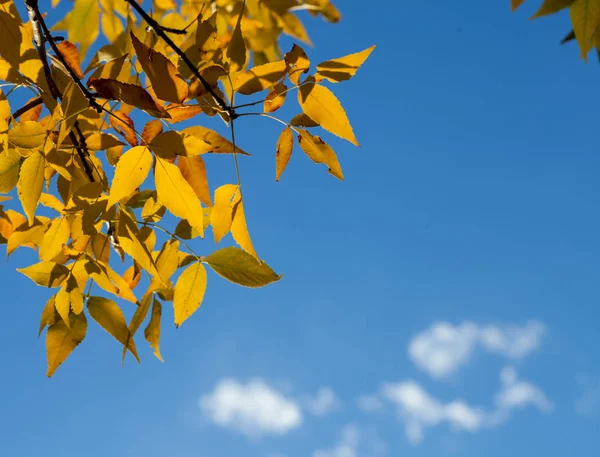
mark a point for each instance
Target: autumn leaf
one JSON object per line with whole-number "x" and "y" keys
{"x": 319, "y": 103}
{"x": 218, "y": 144}
{"x": 176, "y": 194}
{"x": 124, "y": 125}
{"x": 132, "y": 169}
{"x": 169, "y": 144}
{"x": 343, "y": 68}
{"x": 69, "y": 298}
{"x": 83, "y": 25}
{"x": 151, "y": 130}
{"x": 163, "y": 75}
{"x": 31, "y": 181}
{"x": 179, "y": 113}
{"x": 241, "y": 268}
{"x": 101, "y": 141}
{"x": 56, "y": 236}
{"x": 194, "y": 172}
{"x": 71, "y": 55}
{"x": 47, "y": 274}
{"x": 285, "y": 144}
{"x": 221, "y": 216}
{"x": 152, "y": 331}
{"x": 236, "y": 51}
{"x": 131, "y": 94}
{"x": 61, "y": 340}
{"x": 302, "y": 120}
{"x": 320, "y": 152}
{"x": 260, "y": 78}
{"x": 548, "y": 7}
{"x": 585, "y": 16}
{"x": 298, "y": 63}
{"x": 514, "y": 4}
{"x": 189, "y": 292}
{"x": 275, "y": 98}
{"x": 130, "y": 239}
{"x": 110, "y": 317}
{"x": 10, "y": 162}
{"x": 27, "y": 135}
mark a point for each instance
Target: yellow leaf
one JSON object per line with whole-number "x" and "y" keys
{"x": 169, "y": 144}
{"x": 84, "y": 23}
{"x": 152, "y": 331}
{"x": 298, "y": 63}
{"x": 239, "y": 230}
{"x": 241, "y": 268}
{"x": 153, "y": 211}
{"x": 343, "y": 68}
{"x": 320, "y": 152}
{"x": 122, "y": 287}
{"x": 151, "y": 130}
{"x": 236, "y": 51}
{"x": 585, "y": 16}
{"x": 294, "y": 27}
{"x": 181, "y": 113}
{"x": 27, "y": 135}
{"x": 112, "y": 27}
{"x": 61, "y": 340}
{"x": 71, "y": 55}
{"x": 194, "y": 172}
{"x": 47, "y": 274}
{"x": 163, "y": 75}
{"x": 124, "y": 126}
{"x": 5, "y": 114}
{"x": 218, "y": 144}
{"x": 260, "y": 77}
{"x": 514, "y": 4}
{"x": 102, "y": 141}
{"x": 323, "y": 107}
{"x": 31, "y": 181}
{"x": 285, "y": 144}
{"x": 221, "y": 215}
{"x": 132, "y": 169}
{"x": 302, "y": 120}
{"x": 50, "y": 201}
{"x": 110, "y": 317}
{"x": 130, "y": 239}
{"x": 68, "y": 298}
{"x": 166, "y": 263}
{"x": 133, "y": 275}
{"x": 275, "y": 98}
{"x": 189, "y": 292}
{"x": 10, "y": 162}
{"x": 176, "y": 194}
{"x": 48, "y": 315}
{"x": 27, "y": 236}
{"x": 55, "y": 237}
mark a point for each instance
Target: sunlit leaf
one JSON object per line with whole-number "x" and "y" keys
{"x": 343, "y": 68}
{"x": 55, "y": 237}
{"x": 27, "y": 135}
{"x": 239, "y": 267}
{"x": 189, "y": 292}
{"x": 259, "y": 78}
{"x": 152, "y": 331}
{"x": 31, "y": 181}
{"x": 123, "y": 124}
{"x": 275, "y": 98}
{"x": 285, "y": 144}
{"x": 320, "y": 152}
{"x": 47, "y": 274}
{"x": 319, "y": 103}
{"x": 62, "y": 340}
{"x": 236, "y": 51}
{"x": 84, "y": 23}
{"x": 132, "y": 169}
{"x": 10, "y": 162}
{"x": 169, "y": 144}
{"x": 194, "y": 172}
{"x": 218, "y": 144}
{"x": 71, "y": 55}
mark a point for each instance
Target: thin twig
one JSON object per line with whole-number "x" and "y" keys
{"x": 29, "y": 105}
{"x": 161, "y": 33}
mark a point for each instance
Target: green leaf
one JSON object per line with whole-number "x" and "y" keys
{"x": 189, "y": 292}
{"x": 239, "y": 267}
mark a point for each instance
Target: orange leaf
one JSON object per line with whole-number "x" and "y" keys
{"x": 71, "y": 55}
{"x": 151, "y": 130}
{"x": 194, "y": 172}
{"x": 124, "y": 126}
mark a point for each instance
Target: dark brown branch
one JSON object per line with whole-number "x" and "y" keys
{"x": 30, "y": 105}
{"x": 161, "y": 33}
{"x": 38, "y": 25}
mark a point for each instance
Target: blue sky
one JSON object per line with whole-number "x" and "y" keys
{"x": 441, "y": 301}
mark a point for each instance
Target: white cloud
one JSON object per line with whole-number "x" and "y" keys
{"x": 443, "y": 348}
{"x": 419, "y": 410}
{"x": 369, "y": 403}
{"x": 354, "y": 441}
{"x": 324, "y": 402}
{"x": 588, "y": 405}
{"x": 254, "y": 409}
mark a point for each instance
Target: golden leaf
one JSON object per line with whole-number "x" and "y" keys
{"x": 259, "y": 78}
{"x": 47, "y": 274}
{"x": 84, "y": 23}
{"x": 101, "y": 141}
{"x": 130, "y": 239}
{"x": 152, "y": 331}
{"x": 294, "y": 27}
{"x": 241, "y": 268}
{"x": 153, "y": 211}
{"x": 31, "y": 181}
{"x": 62, "y": 340}
{"x": 236, "y": 51}
{"x": 55, "y": 237}
{"x": 123, "y": 124}
{"x": 10, "y": 162}
{"x": 176, "y": 194}
{"x": 151, "y": 130}
{"x": 189, "y": 292}
{"x": 27, "y": 236}
{"x": 548, "y": 7}
{"x": 167, "y": 145}
{"x": 27, "y": 135}
{"x": 514, "y": 4}
{"x": 32, "y": 114}
{"x": 218, "y": 144}
{"x": 110, "y": 317}
{"x": 133, "y": 275}
{"x": 320, "y": 152}
{"x": 194, "y": 172}
{"x": 131, "y": 94}
{"x": 50, "y": 201}
{"x": 343, "y": 68}
{"x": 302, "y": 120}
{"x": 163, "y": 75}
{"x": 71, "y": 55}
{"x": 132, "y": 169}
{"x": 181, "y": 113}
{"x": 323, "y": 107}
{"x": 275, "y": 98}
{"x": 49, "y": 315}
{"x": 298, "y": 63}
{"x": 68, "y": 298}
{"x": 585, "y": 16}
{"x": 285, "y": 145}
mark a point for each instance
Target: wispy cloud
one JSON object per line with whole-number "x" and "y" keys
{"x": 419, "y": 410}
{"x": 443, "y": 348}
{"x": 323, "y": 402}
{"x": 354, "y": 441}
{"x": 588, "y": 405}
{"x": 254, "y": 408}
{"x": 369, "y": 403}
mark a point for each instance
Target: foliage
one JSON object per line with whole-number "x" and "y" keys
{"x": 585, "y": 19}
{"x": 101, "y": 151}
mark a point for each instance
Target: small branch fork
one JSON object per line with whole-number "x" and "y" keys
{"x": 41, "y": 35}
{"x": 162, "y": 33}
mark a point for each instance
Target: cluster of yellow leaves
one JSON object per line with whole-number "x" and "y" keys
{"x": 585, "y": 18}
{"x": 110, "y": 232}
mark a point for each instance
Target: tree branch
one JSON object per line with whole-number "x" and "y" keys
{"x": 160, "y": 31}
{"x": 38, "y": 25}
{"x": 30, "y": 105}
